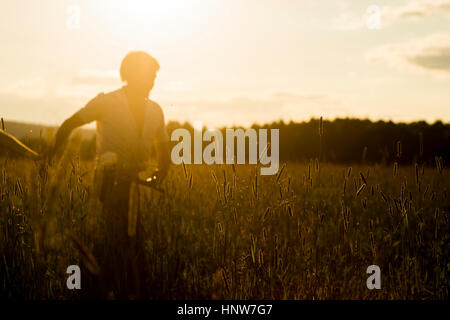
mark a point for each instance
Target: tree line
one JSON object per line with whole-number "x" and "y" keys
{"x": 338, "y": 141}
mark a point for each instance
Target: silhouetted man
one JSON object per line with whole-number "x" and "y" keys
{"x": 128, "y": 124}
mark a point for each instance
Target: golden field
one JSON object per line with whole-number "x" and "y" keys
{"x": 225, "y": 232}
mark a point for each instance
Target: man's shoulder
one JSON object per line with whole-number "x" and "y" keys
{"x": 103, "y": 98}
{"x": 111, "y": 94}
{"x": 154, "y": 106}
{"x": 98, "y": 98}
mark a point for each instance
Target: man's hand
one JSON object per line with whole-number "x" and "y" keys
{"x": 154, "y": 181}
{"x": 155, "y": 178}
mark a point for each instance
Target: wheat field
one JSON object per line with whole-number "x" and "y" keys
{"x": 225, "y": 232}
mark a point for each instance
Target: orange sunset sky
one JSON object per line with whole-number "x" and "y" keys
{"x": 231, "y": 62}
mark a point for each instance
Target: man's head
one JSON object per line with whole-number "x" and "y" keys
{"x": 138, "y": 70}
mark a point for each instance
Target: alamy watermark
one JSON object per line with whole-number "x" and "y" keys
{"x": 374, "y": 281}
{"x": 74, "y": 280}
{"x": 73, "y": 17}
{"x": 373, "y": 17}
{"x": 258, "y": 148}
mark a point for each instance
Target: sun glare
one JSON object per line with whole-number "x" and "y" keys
{"x": 157, "y": 9}
{"x": 153, "y": 13}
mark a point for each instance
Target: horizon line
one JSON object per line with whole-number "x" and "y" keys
{"x": 313, "y": 118}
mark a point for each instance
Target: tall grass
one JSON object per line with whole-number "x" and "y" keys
{"x": 223, "y": 232}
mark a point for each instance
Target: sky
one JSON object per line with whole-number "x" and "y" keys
{"x": 231, "y": 62}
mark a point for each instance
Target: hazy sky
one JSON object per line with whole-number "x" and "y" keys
{"x": 231, "y": 61}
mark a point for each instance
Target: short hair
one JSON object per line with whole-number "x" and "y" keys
{"x": 136, "y": 60}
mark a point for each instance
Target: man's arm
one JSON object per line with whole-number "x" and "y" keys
{"x": 64, "y": 132}
{"x": 91, "y": 111}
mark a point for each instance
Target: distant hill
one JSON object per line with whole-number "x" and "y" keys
{"x": 22, "y": 130}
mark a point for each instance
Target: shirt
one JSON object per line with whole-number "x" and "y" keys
{"x": 118, "y": 139}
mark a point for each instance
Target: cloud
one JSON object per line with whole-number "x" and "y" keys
{"x": 50, "y": 100}
{"x": 245, "y": 110}
{"x": 413, "y": 10}
{"x": 433, "y": 59}
{"x": 430, "y": 55}
{"x": 238, "y": 110}
{"x": 416, "y": 9}
{"x": 47, "y": 109}
{"x": 36, "y": 100}
{"x": 31, "y": 87}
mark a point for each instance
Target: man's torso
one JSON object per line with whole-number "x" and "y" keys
{"x": 124, "y": 135}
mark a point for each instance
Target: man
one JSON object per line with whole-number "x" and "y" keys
{"x": 128, "y": 123}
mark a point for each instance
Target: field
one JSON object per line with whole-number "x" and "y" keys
{"x": 225, "y": 232}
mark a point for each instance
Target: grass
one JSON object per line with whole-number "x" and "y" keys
{"x": 225, "y": 232}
